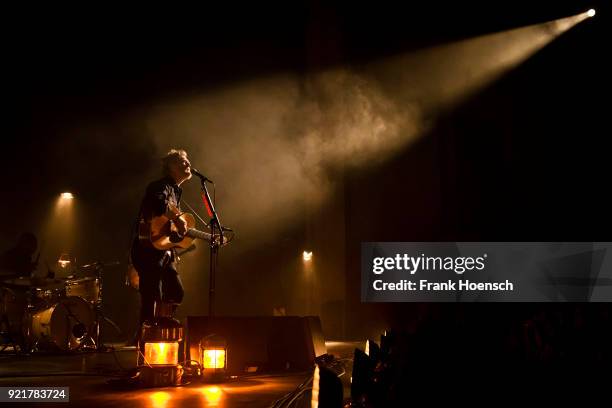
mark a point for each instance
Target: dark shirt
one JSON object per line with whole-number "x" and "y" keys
{"x": 155, "y": 202}
{"x": 159, "y": 194}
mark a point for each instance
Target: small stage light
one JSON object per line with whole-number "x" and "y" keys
{"x": 591, "y": 13}
{"x": 64, "y": 260}
{"x": 158, "y": 349}
{"x": 161, "y": 353}
{"x": 67, "y": 196}
{"x": 213, "y": 354}
{"x": 214, "y": 358}
{"x": 307, "y": 256}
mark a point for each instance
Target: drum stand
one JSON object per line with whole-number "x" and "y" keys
{"x": 99, "y": 315}
{"x": 88, "y": 341}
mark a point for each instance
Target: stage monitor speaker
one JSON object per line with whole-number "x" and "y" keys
{"x": 268, "y": 343}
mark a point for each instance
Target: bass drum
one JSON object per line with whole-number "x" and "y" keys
{"x": 65, "y": 325}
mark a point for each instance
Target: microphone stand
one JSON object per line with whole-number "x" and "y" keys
{"x": 214, "y": 247}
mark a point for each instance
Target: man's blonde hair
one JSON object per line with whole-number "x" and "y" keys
{"x": 172, "y": 156}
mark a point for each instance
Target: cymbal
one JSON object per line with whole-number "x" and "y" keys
{"x": 98, "y": 263}
{"x": 27, "y": 281}
{"x": 21, "y": 281}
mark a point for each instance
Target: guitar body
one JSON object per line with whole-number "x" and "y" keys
{"x": 164, "y": 234}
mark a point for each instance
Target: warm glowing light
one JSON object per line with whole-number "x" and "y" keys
{"x": 591, "y": 13}
{"x": 368, "y": 346}
{"x": 64, "y": 260}
{"x": 307, "y": 256}
{"x": 213, "y": 395}
{"x": 67, "y": 196}
{"x": 162, "y": 353}
{"x": 159, "y": 399}
{"x": 314, "y": 401}
{"x": 214, "y": 358}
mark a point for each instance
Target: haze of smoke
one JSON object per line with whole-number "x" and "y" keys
{"x": 439, "y": 77}
{"x": 271, "y": 143}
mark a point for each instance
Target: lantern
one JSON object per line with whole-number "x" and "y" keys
{"x": 213, "y": 358}
{"x": 161, "y": 353}
{"x": 158, "y": 349}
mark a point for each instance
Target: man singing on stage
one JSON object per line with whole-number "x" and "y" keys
{"x": 155, "y": 267}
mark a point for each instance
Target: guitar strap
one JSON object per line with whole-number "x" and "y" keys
{"x": 195, "y": 213}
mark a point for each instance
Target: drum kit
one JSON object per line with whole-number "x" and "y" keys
{"x": 46, "y": 314}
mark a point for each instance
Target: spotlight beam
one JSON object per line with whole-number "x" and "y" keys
{"x": 356, "y": 117}
{"x": 445, "y": 75}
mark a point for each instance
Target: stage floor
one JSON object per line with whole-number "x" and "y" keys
{"x": 87, "y": 376}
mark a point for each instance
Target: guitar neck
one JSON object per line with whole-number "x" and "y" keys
{"x": 194, "y": 233}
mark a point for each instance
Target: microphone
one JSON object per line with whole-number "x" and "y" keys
{"x": 200, "y": 175}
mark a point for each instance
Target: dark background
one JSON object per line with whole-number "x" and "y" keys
{"x": 525, "y": 159}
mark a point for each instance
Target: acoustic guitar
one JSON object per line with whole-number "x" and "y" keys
{"x": 164, "y": 234}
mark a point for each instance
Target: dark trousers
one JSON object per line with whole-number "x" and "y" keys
{"x": 159, "y": 279}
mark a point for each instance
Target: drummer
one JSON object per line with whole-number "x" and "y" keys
{"x": 19, "y": 259}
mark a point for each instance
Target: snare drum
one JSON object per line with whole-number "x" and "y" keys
{"x": 87, "y": 288}
{"x": 42, "y": 290}
{"x": 64, "y": 325}
{"x": 47, "y": 295}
